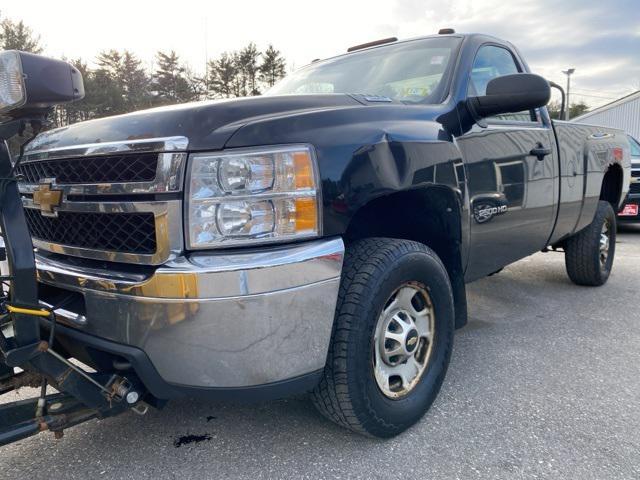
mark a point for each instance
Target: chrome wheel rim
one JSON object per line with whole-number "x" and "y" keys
{"x": 403, "y": 340}
{"x": 605, "y": 236}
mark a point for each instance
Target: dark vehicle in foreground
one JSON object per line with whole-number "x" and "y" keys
{"x": 631, "y": 210}
{"x": 318, "y": 238}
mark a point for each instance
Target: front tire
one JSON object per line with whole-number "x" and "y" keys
{"x": 392, "y": 338}
{"x": 589, "y": 253}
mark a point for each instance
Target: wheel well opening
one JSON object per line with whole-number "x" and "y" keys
{"x": 430, "y": 216}
{"x": 612, "y": 186}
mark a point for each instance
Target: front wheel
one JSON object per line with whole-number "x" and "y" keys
{"x": 589, "y": 253}
{"x": 392, "y": 337}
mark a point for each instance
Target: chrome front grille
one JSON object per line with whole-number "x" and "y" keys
{"x": 118, "y": 199}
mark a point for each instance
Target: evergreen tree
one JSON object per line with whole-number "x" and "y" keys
{"x": 134, "y": 81}
{"x": 17, "y": 36}
{"x": 120, "y": 83}
{"x": 109, "y": 61}
{"x": 171, "y": 81}
{"x": 247, "y": 65}
{"x": 107, "y": 98}
{"x": 123, "y": 80}
{"x": 223, "y": 76}
{"x": 273, "y": 66}
{"x": 82, "y": 109}
{"x": 109, "y": 95}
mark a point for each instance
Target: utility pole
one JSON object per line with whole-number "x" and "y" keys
{"x": 568, "y": 73}
{"x": 206, "y": 58}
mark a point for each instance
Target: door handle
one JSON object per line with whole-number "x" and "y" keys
{"x": 540, "y": 151}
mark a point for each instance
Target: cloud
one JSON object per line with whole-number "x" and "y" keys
{"x": 600, "y": 39}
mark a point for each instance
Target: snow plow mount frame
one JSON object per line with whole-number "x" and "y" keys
{"x": 28, "y": 353}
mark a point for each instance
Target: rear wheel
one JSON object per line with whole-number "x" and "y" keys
{"x": 589, "y": 254}
{"x": 392, "y": 337}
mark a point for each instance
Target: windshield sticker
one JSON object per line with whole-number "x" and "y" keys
{"x": 415, "y": 92}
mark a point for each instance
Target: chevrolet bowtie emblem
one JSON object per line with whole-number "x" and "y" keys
{"x": 47, "y": 199}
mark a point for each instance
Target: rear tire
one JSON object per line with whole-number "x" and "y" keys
{"x": 589, "y": 254}
{"x": 390, "y": 290}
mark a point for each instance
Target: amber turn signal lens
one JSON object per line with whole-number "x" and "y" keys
{"x": 304, "y": 170}
{"x": 306, "y": 214}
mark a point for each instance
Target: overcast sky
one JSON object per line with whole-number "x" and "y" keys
{"x": 599, "y": 38}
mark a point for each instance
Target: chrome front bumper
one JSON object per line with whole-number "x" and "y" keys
{"x": 215, "y": 319}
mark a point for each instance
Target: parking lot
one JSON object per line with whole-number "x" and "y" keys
{"x": 544, "y": 382}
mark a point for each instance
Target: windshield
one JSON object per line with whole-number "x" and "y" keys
{"x": 412, "y": 72}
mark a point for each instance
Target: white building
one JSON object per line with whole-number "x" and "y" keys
{"x": 623, "y": 113}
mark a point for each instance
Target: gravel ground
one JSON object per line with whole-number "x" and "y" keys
{"x": 544, "y": 383}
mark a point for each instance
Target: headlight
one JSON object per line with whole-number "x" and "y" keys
{"x": 252, "y": 196}
{"x": 12, "y": 90}
{"x": 30, "y": 83}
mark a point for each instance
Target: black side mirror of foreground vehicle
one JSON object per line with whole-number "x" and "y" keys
{"x": 31, "y": 84}
{"x": 511, "y": 94}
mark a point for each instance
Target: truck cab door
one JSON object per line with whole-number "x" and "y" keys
{"x": 511, "y": 164}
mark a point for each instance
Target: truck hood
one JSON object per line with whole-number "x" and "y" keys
{"x": 208, "y": 125}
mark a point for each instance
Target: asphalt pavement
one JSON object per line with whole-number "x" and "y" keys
{"x": 544, "y": 383}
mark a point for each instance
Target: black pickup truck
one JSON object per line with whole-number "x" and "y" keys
{"x": 317, "y": 238}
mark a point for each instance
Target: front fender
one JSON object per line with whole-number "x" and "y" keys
{"x": 366, "y": 152}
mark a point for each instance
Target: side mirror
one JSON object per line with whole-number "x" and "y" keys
{"x": 511, "y": 94}
{"x": 32, "y": 84}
